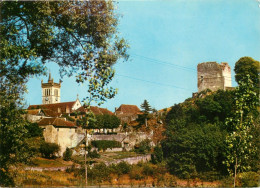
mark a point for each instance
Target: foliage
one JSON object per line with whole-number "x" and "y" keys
{"x": 101, "y": 121}
{"x": 247, "y": 66}
{"x": 146, "y": 109}
{"x": 157, "y": 155}
{"x": 68, "y": 117}
{"x": 67, "y": 154}
{"x": 195, "y": 134}
{"x": 249, "y": 179}
{"x": 122, "y": 168}
{"x": 78, "y": 36}
{"x": 210, "y": 108}
{"x": 81, "y": 37}
{"x": 104, "y": 144}
{"x": 49, "y": 150}
{"x": 145, "y": 106}
{"x": 92, "y": 154}
{"x": 143, "y": 147}
{"x": 99, "y": 173}
{"x": 194, "y": 149}
{"x": 13, "y": 132}
{"x": 239, "y": 141}
{"x": 33, "y": 130}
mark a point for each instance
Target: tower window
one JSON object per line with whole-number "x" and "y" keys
{"x": 56, "y": 92}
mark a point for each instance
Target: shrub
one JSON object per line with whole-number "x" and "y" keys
{"x": 33, "y": 130}
{"x": 143, "y": 147}
{"x": 148, "y": 170}
{"x": 104, "y": 144}
{"x": 123, "y": 168}
{"x": 136, "y": 173}
{"x": 249, "y": 179}
{"x": 67, "y": 154}
{"x": 93, "y": 154}
{"x": 157, "y": 155}
{"x": 48, "y": 150}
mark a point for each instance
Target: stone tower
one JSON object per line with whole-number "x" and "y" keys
{"x": 213, "y": 76}
{"x": 50, "y": 91}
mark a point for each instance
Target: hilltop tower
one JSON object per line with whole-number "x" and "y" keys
{"x": 50, "y": 91}
{"x": 214, "y": 76}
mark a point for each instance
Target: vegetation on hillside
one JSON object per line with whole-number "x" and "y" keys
{"x": 216, "y": 133}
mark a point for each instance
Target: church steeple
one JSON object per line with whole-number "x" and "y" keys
{"x": 50, "y": 79}
{"x": 50, "y": 91}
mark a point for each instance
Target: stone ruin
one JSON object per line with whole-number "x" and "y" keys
{"x": 214, "y": 76}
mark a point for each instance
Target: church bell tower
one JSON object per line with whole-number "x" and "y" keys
{"x": 50, "y": 91}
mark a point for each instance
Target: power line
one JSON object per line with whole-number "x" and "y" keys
{"x": 157, "y": 83}
{"x": 164, "y": 63}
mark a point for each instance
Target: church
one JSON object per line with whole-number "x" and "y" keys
{"x": 55, "y": 117}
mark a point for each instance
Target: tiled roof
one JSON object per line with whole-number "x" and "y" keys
{"x": 54, "y": 107}
{"x": 96, "y": 110}
{"x": 57, "y": 122}
{"x": 33, "y": 112}
{"x": 50, "y": 113}
{"x": 128, "y": 109}
{"x": 106, "y": 111}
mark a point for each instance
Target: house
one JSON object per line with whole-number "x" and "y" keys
{"x": 61, "y": 132}
{"x": 95, "y": 110}
{"x": 57, "y": 109}
{"x": 127, "y": 113}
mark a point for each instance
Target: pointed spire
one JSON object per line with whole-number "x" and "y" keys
{"x": 77, "y": 96}
{"x": 49, "y": 76}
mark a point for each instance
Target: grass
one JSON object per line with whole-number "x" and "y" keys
{"x": 46, "y": 179}
{"x": 109, "y": 156}
{"x": 42, "y": 162}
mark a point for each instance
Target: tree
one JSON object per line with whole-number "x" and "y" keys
{"x": 247, "y": 65}
{"x": 239, "y": 141}
{"x": 67, "y": 154}
{"x": 49, "y": 150}
{"x": 80, "y": 36}
{"x": 157, "y": 155}
{"x": 146, "y": 109}
{"x": 13, "y": 132}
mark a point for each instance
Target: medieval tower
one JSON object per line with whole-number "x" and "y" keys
{"x": 213, "y": 76}
{"x": 50, "y": 91}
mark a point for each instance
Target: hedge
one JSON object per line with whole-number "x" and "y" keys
{"x": 104, "y": 144}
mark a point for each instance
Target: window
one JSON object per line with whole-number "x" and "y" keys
{"x": 56, "y": 92}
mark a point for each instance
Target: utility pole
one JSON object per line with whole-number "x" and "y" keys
{"x": 86, "y": 144}
{"x": 86, "y": 167}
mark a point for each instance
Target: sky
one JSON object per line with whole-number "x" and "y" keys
{"x": 167, "y": 39}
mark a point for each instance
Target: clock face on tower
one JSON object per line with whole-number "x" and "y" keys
{"x": 56, "y": 98}
{"x": 46, "y": 98}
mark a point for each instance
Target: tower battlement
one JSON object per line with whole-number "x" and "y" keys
{"x": 213, "y": 76}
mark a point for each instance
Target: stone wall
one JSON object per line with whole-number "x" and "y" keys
{"x": 132, "y": 160}
{"x": 128, "y": 140}
{"x": 64, "y": 137}
{"x": 33, "y": 118}
{"x": 213, "y": 76}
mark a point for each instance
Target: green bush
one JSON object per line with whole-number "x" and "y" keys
{"x": 67, "y": 154}
{"x": 143, "y": 147}
{"x": 148, "y": 169}
{"x": 157, "y": 155}
{"x": 93, "y": 154}
{"x": 249, "y": 179}
{"x": 123, "y": 168}
{"x": 33, "y": 130}
{"x": 104, "y": 144}
{"x": 136, "y": 173}
{"x": 48, "y": 150}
